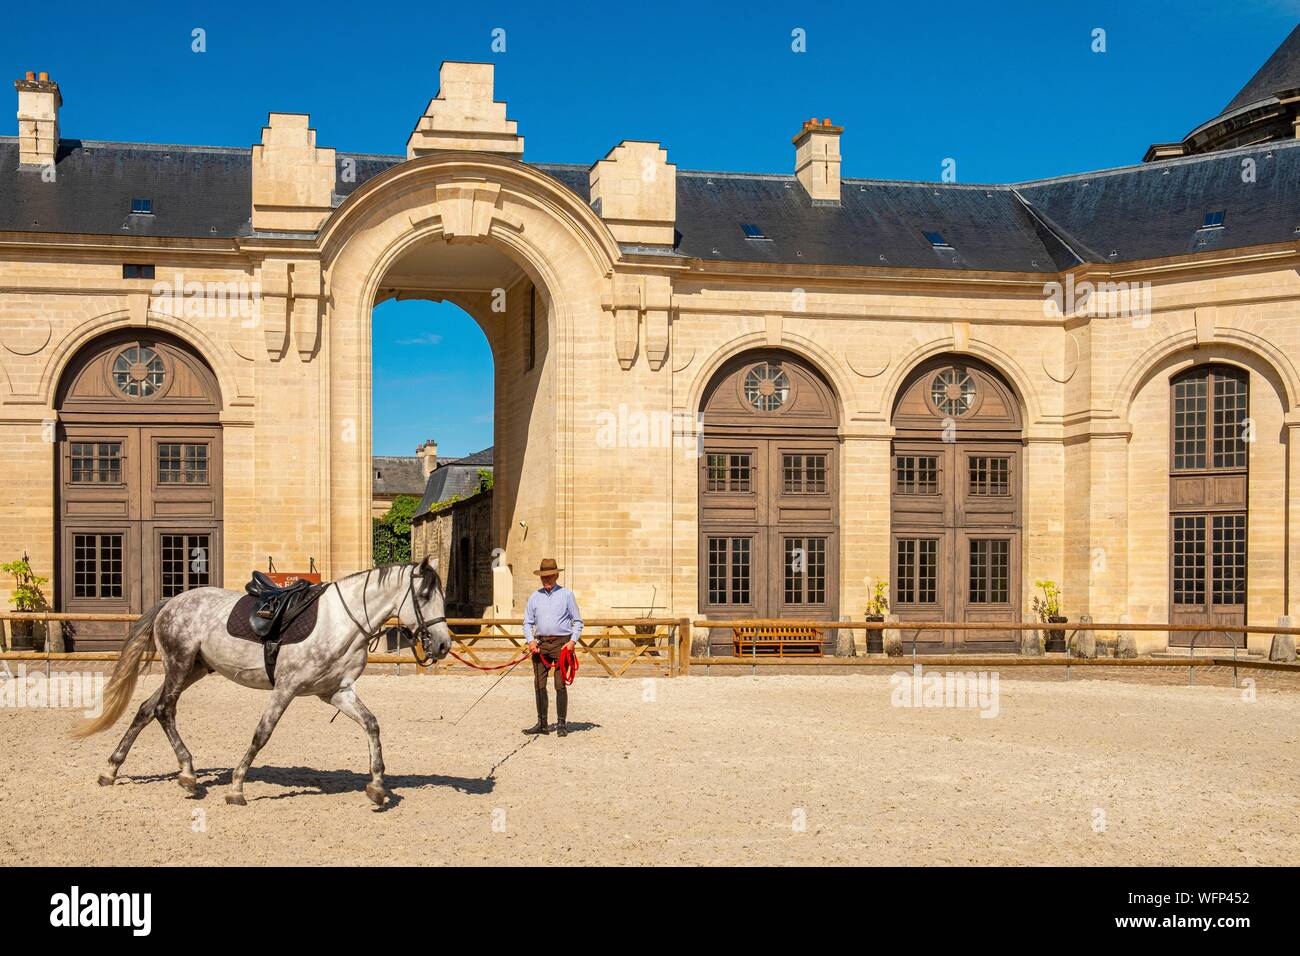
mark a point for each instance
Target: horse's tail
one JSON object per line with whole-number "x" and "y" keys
{"x": 120, "y": 687}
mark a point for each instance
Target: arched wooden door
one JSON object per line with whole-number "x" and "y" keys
{"x": 138, "y": 478}
{"x": 1209, "y": 469}
{"x": 956, "y": 503}
{"x": 769, "y": 492}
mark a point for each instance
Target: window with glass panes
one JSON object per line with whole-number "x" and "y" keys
{"x": 990, "y": 571}
{"x": 916, "y": 474}
{"x": 1208, "y": 465}
{"x": 729, "y": 568}
{"x": 182, "y": 463}
{"x": 97, "y": 565}
{"x": 95, "y": 462}
{"x": 728, "y": 472}
{"x": 916, "y": 572}
{"x": 805, "y": 570}
{"x": 184, "y": 563}
{"x": 804, "y": 474}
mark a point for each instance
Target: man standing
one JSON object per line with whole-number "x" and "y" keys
{"x": 552, "y": 625}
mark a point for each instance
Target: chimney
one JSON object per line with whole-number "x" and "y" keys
{"x": 38, "y": 119}
{"x": 428, "y": 453}
{"x": 817, "y": 159}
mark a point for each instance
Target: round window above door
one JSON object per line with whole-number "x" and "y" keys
{"x": 953, "y": 391}
{"x": 767, "y": 388}
{"x": 138, "y": 372}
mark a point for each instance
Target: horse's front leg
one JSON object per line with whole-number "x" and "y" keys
{"x": 280, "y": 698}
{"x": 346, "y": 700}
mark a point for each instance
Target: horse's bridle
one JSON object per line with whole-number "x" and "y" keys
{"x": 422, "y": 624}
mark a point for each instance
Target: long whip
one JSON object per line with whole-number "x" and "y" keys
{"x": 503, "y": 676}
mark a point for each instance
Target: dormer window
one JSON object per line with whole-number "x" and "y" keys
{"x": 142, "y": 207}
{"x": 752, "y": 231}
{"x": 1213, "y": 220}
{"x": 936, "y": 239}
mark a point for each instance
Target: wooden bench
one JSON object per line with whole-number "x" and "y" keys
{"x": 777, "y": 640}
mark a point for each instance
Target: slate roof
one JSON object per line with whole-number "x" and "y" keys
{"x": 200, "y": 192}
{"x": 454, "y": 477}
{"x": 1281, "y": 71}
{"x": 397, "y": 475}
{"x": 1132, "y": 213}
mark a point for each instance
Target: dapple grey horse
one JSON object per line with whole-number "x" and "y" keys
{"x": 189, "y": 631}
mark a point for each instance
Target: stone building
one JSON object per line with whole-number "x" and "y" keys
{"x": 394, "y": 475}
{"x": 723, "y": 394}
{"x": 453, "y": 525}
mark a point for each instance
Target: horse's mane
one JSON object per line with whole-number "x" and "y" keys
{"x": 385, "y": 571}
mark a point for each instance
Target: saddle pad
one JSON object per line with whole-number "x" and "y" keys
{"x": 237, "y": 624}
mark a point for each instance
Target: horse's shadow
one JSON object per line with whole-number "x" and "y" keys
{"x": 309, "y": 781}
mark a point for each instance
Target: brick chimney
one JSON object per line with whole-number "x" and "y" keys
{"x": 38, "y": 119}
{"x": 817, "y": 159}
{"x": 428, "y": 454}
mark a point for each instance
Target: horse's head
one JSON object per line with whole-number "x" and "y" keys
{"x": 423, "y": 612}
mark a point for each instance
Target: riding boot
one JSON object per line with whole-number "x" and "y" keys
{"x": 540, "y": 727}
{"x": 561, "y": 729}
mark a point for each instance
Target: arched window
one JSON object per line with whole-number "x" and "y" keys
{"x": 1209, "y": 444}
{"x": 769, "y": 491}
{"x": 956, "y": 501}
{"x": 138, "y": 478}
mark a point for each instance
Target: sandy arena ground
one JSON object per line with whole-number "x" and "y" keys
{"x": 715, "y": 769}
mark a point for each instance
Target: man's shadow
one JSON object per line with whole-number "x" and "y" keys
{"x": 576, "y": 726}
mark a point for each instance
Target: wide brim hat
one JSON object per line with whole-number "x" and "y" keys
{"x": 548, "y": 567}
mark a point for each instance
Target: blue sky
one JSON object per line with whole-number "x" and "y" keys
{"x": 1009, "y": 90}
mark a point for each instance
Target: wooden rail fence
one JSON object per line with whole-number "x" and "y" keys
{"x": 614, "y": 647}
{"x": 620, "y": 647}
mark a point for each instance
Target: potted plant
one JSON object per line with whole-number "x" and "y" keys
{"x": 26, "y": 596}
{"x": 876, "y": 608}
{"x": 1048, "y": 608}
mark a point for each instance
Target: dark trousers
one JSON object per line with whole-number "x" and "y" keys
{"x": 550, "y": 648}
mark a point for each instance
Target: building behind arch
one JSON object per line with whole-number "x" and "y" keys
{"x": 721, "y": 394}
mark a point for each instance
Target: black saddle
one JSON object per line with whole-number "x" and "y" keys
{"x": 274, "y": 609}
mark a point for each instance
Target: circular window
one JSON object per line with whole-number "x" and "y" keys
{"x": 953, "y": 391}
{"x": 138, "y": 372}
{"x": 766, "y": 387}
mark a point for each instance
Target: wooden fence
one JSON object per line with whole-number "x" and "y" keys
{"x": 612, "y": 647}
{"x": 620, "y": 647}
{"x": 1191, "y": 661}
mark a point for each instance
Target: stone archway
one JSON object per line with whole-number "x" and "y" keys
{"x": 446, "y": 204}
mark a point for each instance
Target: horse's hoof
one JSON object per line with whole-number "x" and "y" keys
{"x": 236, "y": 800}
{"x": 376, "y": 794}
{"x": 107, "y": 779}
{"x": 188, "y": 782}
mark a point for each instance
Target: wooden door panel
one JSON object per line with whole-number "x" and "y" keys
{"x": 922, "y": 585}
{"x": 977, "y": 496}
{"x": 988, "y": 564}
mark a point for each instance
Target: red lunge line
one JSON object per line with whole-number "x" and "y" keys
{"x": 481, "y": 667}
{"x": 568, "y": 663}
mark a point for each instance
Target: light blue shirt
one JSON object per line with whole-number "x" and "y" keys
{"x": 552, "y": 613}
